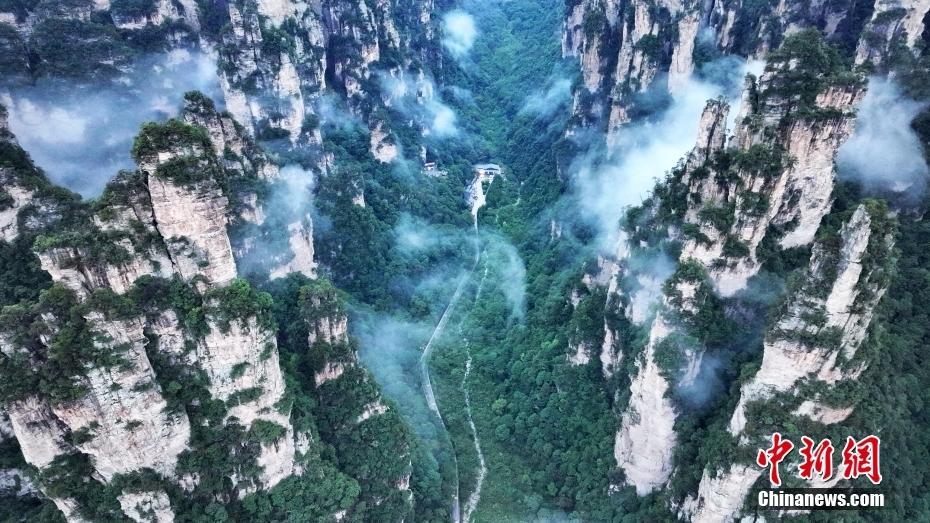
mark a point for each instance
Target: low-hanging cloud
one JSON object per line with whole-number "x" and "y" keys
{"x": 333, "y": 111}
{"x": 81, "y": 136}
{"x": 293, "y": 189}
{"x": 417, "y": 99}
{"x": 459, "y": 32}
{"x": 288, "y": 202}
{"x": 390, "y": 347}
{"x": 413, "y": 236}
{"x": 608, "y": 181}
{"x": 549, "y": 99}
{"x": 647, "y": 272}
{"x": 884, "y": 154}
{"x": 510, "y": 273}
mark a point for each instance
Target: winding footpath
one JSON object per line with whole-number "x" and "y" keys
{"x": 475, "y": 496}
{"x": 428, "y": 384}
{"x": 478, "y": 200}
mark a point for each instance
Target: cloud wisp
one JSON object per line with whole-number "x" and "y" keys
{"x": 81, "y": 137}
{"x": 884, "y": 153}
{"x": 609, "y": 180}
{"x": 546, "y": 101}
{"x": 459, "y": 32}
{"x": 417, "y": 98}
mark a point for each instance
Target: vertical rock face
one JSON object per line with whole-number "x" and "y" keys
{"x": 327, "y": 319}
{"x": 682, "y": 64}
{"x": 748, "y": 30}
{"x": 328, "y": 331}
{"x": 40, "y": 434}
{"x": 895, "y": 24}
{"x": 712, "y": 133}
{"x": 292, "y": 50}
{"x": 782, "y": 161}
{"x": 256, "y": 221}
{"x": 193, "y": 222}
{"x": 14, "y": 197}
{"x": 123, "y": 416}
{"x": 87, "y": 388}
{"x": 83, "y": 263}
{"x": 815, "y": 335}
{"x": 775, "y": 177}
{"x": 813, "y": 341}
{"x": 622, "y": 48}
{"x": 720, "y": 498}
{"x": 189, "y": 207}
{"x": 241, "y": 361}
{"x": 107, "y": 406}
{"x": 13, "y": 479}
{"x": 147, "y": 507}
{"x": 341, "y": 382}
{"x": 287, "y": 63}
{"x": 226, "y": 347}
{"x": 300, "y": 241}
{"x": 646, "y": 439}
{"x": 230, "y": 143}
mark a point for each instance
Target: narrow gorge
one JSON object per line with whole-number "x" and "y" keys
{"x": 373, "y": 260}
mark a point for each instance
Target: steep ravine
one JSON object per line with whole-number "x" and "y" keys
{"x": 159, "y": 380}
{"x": 428, "y": 385}
{"x": 476, "y": 199}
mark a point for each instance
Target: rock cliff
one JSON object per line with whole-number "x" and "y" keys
{"x": 895, "y": 26}
{"x": 150, "y": 371}
{"x": 626, "y": 48}
{"x": 772, "y": 180}
{"x": 276, "y": 59}
{"x": 90, "y": 392}
{"x": 344, "y": 386}
{"x": 812, "y": 345}
{"x": 279, "y": 58}
{"x": 622, "y": 49}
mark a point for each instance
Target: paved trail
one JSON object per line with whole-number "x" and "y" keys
{"x": 430, "y": 395}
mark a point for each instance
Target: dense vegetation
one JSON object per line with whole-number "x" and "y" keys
{"x": 533, "y": 410}
{"x": 353, "y": 463}
{"x": 546, "y": 426}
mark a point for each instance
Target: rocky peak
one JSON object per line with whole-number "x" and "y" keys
{"x": 173, "y": 215}
{"x": 229, "y": 140}
{"x": 712, "y": 133}
{"x": 190, "y": 208}
{"x": 324, "y": 313}
{"x": 284, "y": 63}
{"x": 895, "y": 24}
{"x": 646, "y": 439}
{"x": 781, "y": 160}
{"x": 260, "y": 200}
{"x": 88, "y": 388}
{"x": 827, "y": 320}
{"x": 778, "y": 170}
{"x": 291, "y": 53}
{"x": 812, "y": 345}
{"x": 623, "y": 48}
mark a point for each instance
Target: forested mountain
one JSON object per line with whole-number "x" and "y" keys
{"x": 382, "y": 260}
